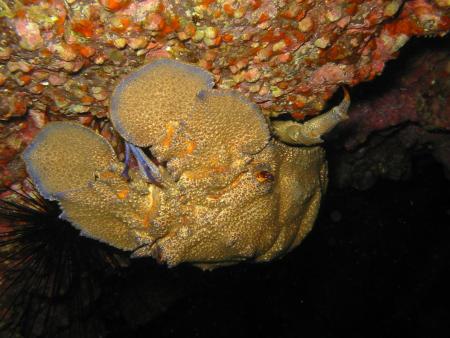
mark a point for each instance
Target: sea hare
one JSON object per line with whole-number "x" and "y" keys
{"x": 214, "y": 188}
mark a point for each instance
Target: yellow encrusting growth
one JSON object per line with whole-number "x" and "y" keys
{"x": 170, "y": 130}
{"x": 190, "y": 147}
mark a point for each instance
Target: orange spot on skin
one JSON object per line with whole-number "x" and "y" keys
{"x": 146, "y": 220}
{"x": 219, "y": 169}
{"x": 106, "y": 175}
{"x": 210, "y": 55}
{"x": 292, "y": 13}
{"x": 122, "y": 194}
{"x": 202, "y": 173}
{"x": 191, "y": 147}
{"x": 188, "y": 150}
{"x": 169, "y": 136}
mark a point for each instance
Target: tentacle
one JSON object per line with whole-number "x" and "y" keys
{"x": 310, "y": 132}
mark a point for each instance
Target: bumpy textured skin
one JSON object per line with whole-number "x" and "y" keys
{"x": 265, "y": 211}
{"x": 136, "y": 110}
{"x": 75, "y": 166}
{"x": 51, "y": 153}
{"x": 229, "y": 192}
{"x": 111, "y": 209}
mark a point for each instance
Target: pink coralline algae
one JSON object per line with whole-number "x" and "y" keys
{"x": 397, "y": 119}
{"x": 419, "y": 95}
{"x": 64, "y": 57}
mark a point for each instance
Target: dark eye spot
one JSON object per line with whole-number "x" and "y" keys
{"x": 264, "y": 176}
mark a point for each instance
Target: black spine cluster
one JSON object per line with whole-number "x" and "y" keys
{"x": 50, "y": 276}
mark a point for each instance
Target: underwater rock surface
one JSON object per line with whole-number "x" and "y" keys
{"x": 61, "y": 59}
{"x": 402, "y": 114}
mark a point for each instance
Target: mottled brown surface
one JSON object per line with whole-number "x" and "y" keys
{"x": 61, "y": 60}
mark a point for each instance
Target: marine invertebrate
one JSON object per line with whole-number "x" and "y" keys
{"x": 310, "y": 132}
{"x": 219, "y": 190}
{"x": 46, "y": 268}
